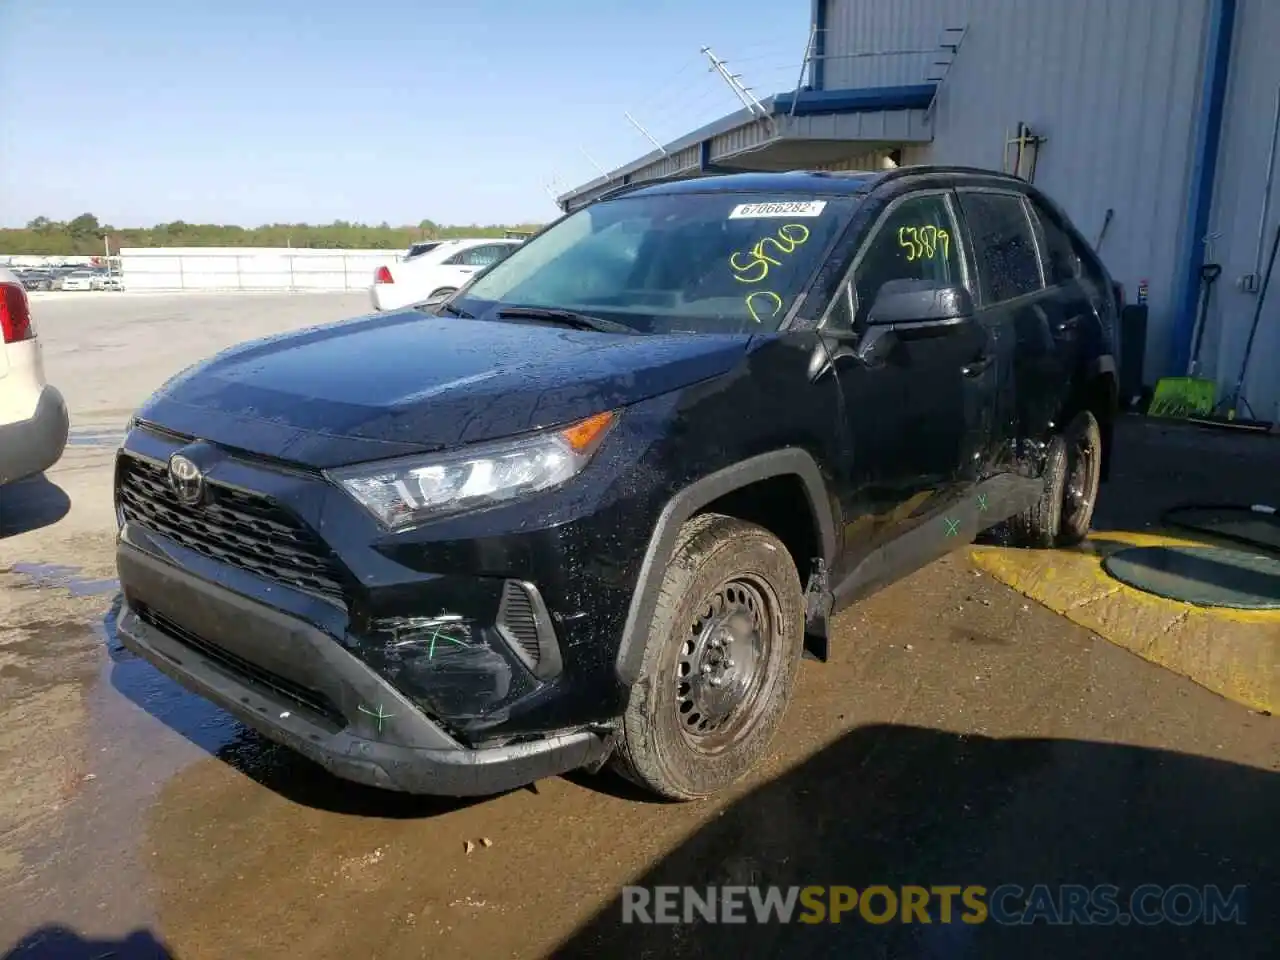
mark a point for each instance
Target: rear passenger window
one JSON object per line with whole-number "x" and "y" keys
{"x": 1061, "y": 264}
{"x": 1003, "y": 244}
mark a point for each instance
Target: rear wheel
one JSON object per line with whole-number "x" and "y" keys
{"x": 720, "y": 662}
{"x": 443, "y": 292}
{"x": 1083, "y": 469}
{"x": 1037, "y": 527}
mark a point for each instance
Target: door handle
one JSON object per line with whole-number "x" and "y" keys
{"x": 976, "y": 367}
{"x": 1067, "y": 326}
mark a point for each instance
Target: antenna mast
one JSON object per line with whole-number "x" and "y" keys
{"x": 742, "y": 92}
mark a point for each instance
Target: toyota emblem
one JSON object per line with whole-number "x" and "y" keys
{"x": 186, "y": 479}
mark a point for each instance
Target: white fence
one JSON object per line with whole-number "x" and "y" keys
{"x": 249, "y": 268}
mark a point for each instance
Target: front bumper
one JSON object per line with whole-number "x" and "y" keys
{"x": 34, "y": 445}
{"x": 296, "y": 685}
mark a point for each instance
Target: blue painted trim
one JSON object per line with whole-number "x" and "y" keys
{"x": 914, "y": 97}
{"x": 818, "y": 67}
{"x": 1217, "y": 70}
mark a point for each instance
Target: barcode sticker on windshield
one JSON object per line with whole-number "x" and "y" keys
{"x": 790, "y": 208}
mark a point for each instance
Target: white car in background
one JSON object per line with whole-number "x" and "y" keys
{"x": 78, "y": 280}
{"x": 106, "y": 281}
{"x": 33, "y": 415}
{"x": 436, "y": 271}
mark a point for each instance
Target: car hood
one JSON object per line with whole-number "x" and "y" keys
{"x": 401, "y": 383}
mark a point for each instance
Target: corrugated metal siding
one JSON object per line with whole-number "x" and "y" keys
{"x": 1242, "y": 167}
{"x": 867, "y": 40}
{"x": 889, "y": 126}
{"x": 739, "y": 139}
{"x": 875, "y": 160}
{"x": 1113, "y": 84}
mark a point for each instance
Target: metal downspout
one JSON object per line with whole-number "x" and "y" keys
{"x": 1204, "y": 167}
{"x": 818, "y": 73}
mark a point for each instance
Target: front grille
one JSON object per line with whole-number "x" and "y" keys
{"x": 313, "y": 702}
{"x": 244, "y": 530}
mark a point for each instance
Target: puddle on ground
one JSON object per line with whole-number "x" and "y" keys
{"x": 134, "y": 729}
{"x": 46, "y": 575}
{"x": 94, "y": 437}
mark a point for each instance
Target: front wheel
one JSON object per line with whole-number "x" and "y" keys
{"x": 720, "y": 662}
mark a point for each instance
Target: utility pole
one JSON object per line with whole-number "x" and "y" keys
{"x": 648, "y": 136}
{"x": 734, "y": 81}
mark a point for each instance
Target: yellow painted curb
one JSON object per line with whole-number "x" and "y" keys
{"x": 1233, "y": 652}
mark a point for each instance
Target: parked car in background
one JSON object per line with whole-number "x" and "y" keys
{"x": 418, "y": 249}
{"x": 33, "y": 415}
{"x": 104, "y": 279}
{"x": 436, "y": 272}
{"x": 58, "y": 276}
{"x": 78, "y": 280}
{"x": 36, "y": 280}
{"x": 596, "y": 504}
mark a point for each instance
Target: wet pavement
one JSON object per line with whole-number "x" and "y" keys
{"x": 960, "y": 735}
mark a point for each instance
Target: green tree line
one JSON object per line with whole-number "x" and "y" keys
{"x": 85, "y": 236}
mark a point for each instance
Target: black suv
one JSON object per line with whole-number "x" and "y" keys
{"x": 597, "y": 504}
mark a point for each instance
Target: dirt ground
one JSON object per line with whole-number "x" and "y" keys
{"x": 960, "y": 735}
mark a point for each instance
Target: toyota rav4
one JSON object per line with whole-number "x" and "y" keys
{"x": 597, "y": 505}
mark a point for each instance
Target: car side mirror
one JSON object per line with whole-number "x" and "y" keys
{"x": 919, "y": 301}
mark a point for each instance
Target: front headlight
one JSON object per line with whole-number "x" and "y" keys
{"x": 407, "y": 492}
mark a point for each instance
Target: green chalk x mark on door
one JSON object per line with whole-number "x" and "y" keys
{"x": 953, "y": 527}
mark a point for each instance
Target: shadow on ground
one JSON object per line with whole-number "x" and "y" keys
{"x": 899, "y": 805}
{"x": 61, "y": 943}
{"x": 31, "y": 504}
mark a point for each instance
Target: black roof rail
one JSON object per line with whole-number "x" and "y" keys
{"x": 915, "y": 170}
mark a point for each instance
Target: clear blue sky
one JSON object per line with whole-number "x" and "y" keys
{"x": 253, "y": 111}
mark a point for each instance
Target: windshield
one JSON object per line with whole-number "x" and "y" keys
{"x": 671, "y": 263}
{"x": 418, "y": 249}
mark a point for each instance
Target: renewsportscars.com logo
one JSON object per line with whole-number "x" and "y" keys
{"x": 1007, "y": 905}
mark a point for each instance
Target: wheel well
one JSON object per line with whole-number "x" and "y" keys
{"x": 1099, "y": 395}
{"x": 781, "y": 505}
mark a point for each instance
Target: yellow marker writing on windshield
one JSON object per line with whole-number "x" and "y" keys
{"x": 757, "y": 300}
{"x": 753, "y": 266}
{"x": 924, "y": 242}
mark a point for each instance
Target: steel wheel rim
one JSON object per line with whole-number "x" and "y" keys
{"x": 1078, "y": 491}
{"x": 721, "y": 671}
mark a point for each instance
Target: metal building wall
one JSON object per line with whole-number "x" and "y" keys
{"x": 886, "y": 43}
{"x": 1248, "y": 121}
{"x": 1112, "y": 84}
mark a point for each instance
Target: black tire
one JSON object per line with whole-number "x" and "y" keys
{"x": 1037, "y": 527}
{"x": 730, "y": 590}
{"x": 443, "y": 292}
{"x": 1082, "y": 443}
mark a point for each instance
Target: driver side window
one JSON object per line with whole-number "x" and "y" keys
{"x": 917, "y": 241}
